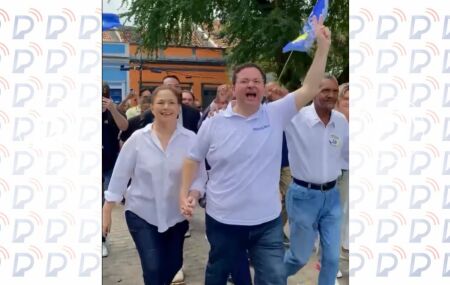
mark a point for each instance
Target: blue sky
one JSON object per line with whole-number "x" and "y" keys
{"x": 112, "y": 6}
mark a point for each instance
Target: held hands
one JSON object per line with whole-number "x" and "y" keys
{"x": 322, "y": 33}
{"x": 187, "y": 206}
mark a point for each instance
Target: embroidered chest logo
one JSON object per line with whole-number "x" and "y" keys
{"x": 261, "y": 128}
{"x": 334, "y": 140}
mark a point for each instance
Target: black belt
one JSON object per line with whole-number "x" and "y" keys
{"x": 322, "y": 187}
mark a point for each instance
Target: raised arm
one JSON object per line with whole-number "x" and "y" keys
{"x": 120, "y": 120}
{"x": 122, "y": 107}
{"x": 311, "y": 84}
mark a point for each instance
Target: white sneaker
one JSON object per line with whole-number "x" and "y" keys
{"x": 105, "y": 251}
{"x": 339, "y": 274}
{"x": 188, "y": 233}
{"x": 179, "y": 277}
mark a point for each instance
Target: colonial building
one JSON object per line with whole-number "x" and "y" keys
{"x": 200, "y": 66}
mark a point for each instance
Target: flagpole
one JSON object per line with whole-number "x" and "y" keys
{"x": 284, "y": 67}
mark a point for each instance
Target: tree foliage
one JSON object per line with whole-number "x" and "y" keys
{"x": 255, "y": 30}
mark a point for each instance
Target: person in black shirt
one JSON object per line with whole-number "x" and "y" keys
{"x": 112, "y": 122}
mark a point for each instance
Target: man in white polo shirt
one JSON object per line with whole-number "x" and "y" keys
{"x": 243, "y": 146}
{"x": 317, "y": 139}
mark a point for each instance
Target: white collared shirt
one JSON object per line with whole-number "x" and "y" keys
{"x": 317, "y": 153}
{"x": 245, "y": 157}
{"x": 155, "y": 176}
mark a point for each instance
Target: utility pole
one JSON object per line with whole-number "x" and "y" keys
{"x": 141, "y": 66}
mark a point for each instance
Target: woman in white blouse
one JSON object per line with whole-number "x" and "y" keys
{"x": 152, "y": 157}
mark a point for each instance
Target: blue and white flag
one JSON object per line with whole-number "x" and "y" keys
{"x": 109, "y": 21}
{"x": 306, "y": 38}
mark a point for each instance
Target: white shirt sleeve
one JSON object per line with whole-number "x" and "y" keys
{"x": 202, "y": 141}
{"x": 123, "y": 169}
{"x": 283, "y": 110}
{"x": 199, "y": 183}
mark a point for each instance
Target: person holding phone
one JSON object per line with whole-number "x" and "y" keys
{"x": 112, "y": 122}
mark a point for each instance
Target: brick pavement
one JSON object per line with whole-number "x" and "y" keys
{"x": 122, "y": 266}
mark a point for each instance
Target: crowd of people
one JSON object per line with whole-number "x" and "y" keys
{"x": 258, "y": 158}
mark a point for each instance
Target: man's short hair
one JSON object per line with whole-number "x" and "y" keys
{"x": 171, "y": 76}
{"x": 239, "y": 68}
{"x": 330, "y": 76}
{"x": 190, "y": 92}
{"x": 147, "y": 100}
{"x": 143, "y": 90}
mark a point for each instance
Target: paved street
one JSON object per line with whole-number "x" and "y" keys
{"x": 122, "y": 266}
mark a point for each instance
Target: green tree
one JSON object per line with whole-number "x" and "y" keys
{"x": 255, "y": 30}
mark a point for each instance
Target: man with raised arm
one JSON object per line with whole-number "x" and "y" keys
{"x": 243, "y": 147}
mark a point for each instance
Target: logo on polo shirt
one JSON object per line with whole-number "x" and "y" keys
{"x": 334, "y": 140}
{"x": 261, "y": 128}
